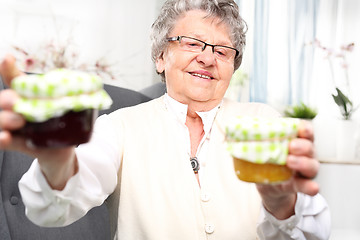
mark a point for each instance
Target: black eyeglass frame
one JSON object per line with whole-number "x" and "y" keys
{"x": 178, "y": 38}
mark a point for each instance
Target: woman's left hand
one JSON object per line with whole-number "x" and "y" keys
{"x": 280, "y": 199}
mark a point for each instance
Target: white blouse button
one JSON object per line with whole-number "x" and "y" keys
{"x": 58, "y": 200}
{"x": 205, "y": 197}
{"x": 290, "y": 225}
{"x": 209, "y": 228}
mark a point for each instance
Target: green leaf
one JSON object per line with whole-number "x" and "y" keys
{"x": 344, "y": 103}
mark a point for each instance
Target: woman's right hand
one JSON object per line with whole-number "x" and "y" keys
{"x": 58, "y": 165}
{"x": 10, "y": 120}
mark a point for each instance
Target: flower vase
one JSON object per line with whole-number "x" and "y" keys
{"x": 347, "y": 141}
{"x": 324, "y": 138}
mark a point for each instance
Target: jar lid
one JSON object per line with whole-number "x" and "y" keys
{"x": 43, "y": 96}
{"x": 244, "y": 128}
{"x": 261, "y": 140}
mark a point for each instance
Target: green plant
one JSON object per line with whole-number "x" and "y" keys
{"x": 300, "y": 111}
{"x": 344, "y": 103}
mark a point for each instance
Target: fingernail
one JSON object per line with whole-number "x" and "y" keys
{"x": 294, "y": 145}
{"x": 292, "y": 160}
{"x": 16, "y": 118}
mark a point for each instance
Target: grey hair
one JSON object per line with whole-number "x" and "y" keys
{"x": 226, "y": 10}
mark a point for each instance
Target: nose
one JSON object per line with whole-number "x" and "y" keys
{"x": 211, "y": 46}
{"x": 207, "y": 56}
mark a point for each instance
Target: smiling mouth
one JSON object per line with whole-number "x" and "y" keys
{"x": 201, "y": 76}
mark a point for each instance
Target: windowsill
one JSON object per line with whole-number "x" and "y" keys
{"x": 334, "y": 161}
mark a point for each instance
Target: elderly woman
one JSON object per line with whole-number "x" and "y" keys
{"x": 140, "y": 156}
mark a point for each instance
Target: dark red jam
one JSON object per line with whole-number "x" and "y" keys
{"x": 73, "y": 128}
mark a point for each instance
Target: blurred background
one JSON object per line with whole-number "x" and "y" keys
{"x": 298, "y": 52}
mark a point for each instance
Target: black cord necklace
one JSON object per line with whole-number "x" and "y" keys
{"x": 195, "y": 164}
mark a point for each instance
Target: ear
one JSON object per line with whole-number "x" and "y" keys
{"x": 160, "y": 63}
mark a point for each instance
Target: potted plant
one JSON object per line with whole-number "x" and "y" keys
{"x": 301, "y": 111}
{"x": 346, "y": 129}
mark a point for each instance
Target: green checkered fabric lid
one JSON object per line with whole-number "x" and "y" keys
{"x": 43, "y": 96}
{"x": 260, "y": 140}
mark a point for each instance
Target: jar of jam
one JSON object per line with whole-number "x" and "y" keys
{"x": 60, "y": 107}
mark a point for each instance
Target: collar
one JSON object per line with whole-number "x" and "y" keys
{"x": 180, "y": 110}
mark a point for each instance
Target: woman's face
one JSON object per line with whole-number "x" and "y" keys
{"x": 197, "y": 77}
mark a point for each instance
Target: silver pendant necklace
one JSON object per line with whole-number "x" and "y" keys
{"x": 195, "y": 164}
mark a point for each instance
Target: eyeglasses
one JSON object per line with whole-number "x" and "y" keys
{"x": 190, "y": 44}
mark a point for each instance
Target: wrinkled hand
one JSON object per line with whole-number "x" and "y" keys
{"x": 280, "y": 199}
{"x": 9, "y": 120}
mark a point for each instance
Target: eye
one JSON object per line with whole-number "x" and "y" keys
{"x": 193, "y": 44}
{"x": 221, "y": 51}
